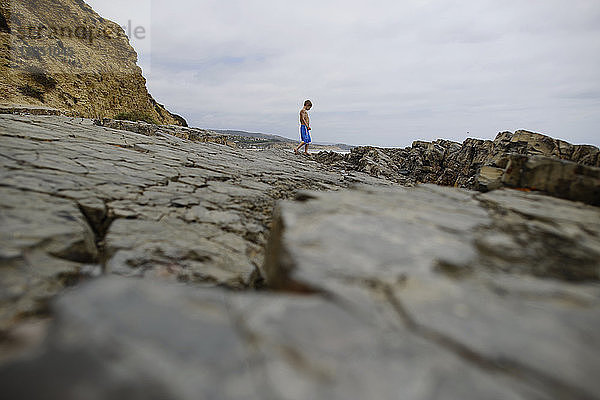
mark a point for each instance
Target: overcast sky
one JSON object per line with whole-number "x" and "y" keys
{"x": 380, "y": 72}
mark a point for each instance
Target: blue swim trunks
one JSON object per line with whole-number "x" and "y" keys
{"x": 304, "y": 134}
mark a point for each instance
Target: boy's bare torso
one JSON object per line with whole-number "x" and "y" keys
{"x": 304, "y": 120}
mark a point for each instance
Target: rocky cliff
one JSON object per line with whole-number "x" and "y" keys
{"x": 153, "y": 263}
{"x": 61, "y": 54}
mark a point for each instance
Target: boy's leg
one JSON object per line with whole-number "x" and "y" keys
{"x": 306, "y": 148}
{"x": 298, "y": 148}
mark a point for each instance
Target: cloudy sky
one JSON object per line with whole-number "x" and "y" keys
{"x": 381, "y": 72}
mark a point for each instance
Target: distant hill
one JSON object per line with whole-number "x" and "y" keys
{"x": 341, "y": 146}
{"x": 267, "y": 137}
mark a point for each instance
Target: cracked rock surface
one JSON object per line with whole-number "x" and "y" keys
{"x": 377, "y": 292}
{"x": 203, "y": 343}
{"x": 78, "y": 199}
{"x": 506, "y": 280}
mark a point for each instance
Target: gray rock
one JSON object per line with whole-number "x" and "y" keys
{"x": 489, "y": 178}
{"x": 44, "y": 240}
{"x": 185, "y": 344}
{"x": 173, "y": 249}
{"x": 391, "y": 233}
{"x": 559, "y": 178}
{"x": 484, "y": 276}
{"x": 413, "y": 293}
{"x": 480, "y": 164}
{"x": 149, "y": 203}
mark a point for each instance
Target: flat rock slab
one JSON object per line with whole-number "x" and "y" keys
{"x": 508, "y": 280}
{"x": 134, "y": 339}
{"x": 193, "y": 252}
{"x": 73, "y": 194}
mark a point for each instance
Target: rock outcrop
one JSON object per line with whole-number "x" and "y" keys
{"x": 559, "y": 178}
{"x": 79, "y": 200}
{"x": 478, "y": 164}
{"x": 79, "y": 63}
{"x": 183, "y": 132}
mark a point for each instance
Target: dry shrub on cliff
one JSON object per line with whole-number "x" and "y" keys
{"x": 135, "y": 116}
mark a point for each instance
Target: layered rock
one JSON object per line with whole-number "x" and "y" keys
{"x": 450, "y": 163}
{"x": 79, "y": 63}
{"x": 183, "y": 132}
{"x": 559, "y": 178}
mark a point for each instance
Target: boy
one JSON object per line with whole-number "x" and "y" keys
{"x": 304, "y": 127}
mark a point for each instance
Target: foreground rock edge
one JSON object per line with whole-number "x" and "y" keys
{"x": 184, "y": 343}
{"x": 439, "y": 277}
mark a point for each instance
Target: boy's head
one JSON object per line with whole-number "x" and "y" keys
{"x": 308, "y": 104}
